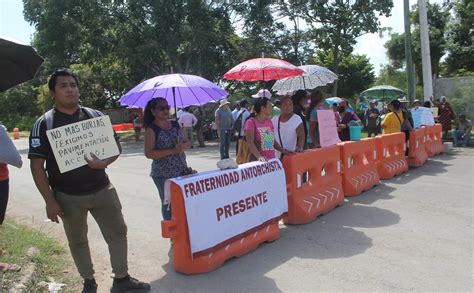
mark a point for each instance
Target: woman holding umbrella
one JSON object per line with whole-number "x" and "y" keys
{"x": 164, "y": 144}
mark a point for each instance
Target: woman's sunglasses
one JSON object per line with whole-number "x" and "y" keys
{"x": 163, "y": 108}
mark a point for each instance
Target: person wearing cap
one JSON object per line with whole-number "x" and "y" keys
{"x": 416, "y": 103}
{"x": 371, "y": 115}
{"x": 263, "y": 93}
{"x": 224, "y": 124}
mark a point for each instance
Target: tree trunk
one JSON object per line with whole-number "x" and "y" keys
{"x": 335, "y": 67}
{"x": 296, "y": 41}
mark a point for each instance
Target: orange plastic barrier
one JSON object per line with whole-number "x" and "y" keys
{"x": 314, "y": 184}
{"x": 127, "y": 126}
{"x": 417, "y": 155}
{"x": 391, "y": 160}
{"x": 359, "y": 171}
{"x": 187, "y": 263}
{"x": 434, "y": 139}
{"x": 118, "y": 127}
{"x": 16, "y": 133}
{"x": 122, "y": 127}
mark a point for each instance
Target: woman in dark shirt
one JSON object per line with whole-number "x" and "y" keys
{"x": 299, "y": 103}
{"x": 165, "y": 145}
{"x": 346, "y": 117}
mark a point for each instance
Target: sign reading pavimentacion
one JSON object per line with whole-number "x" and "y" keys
{"x": 223, "y": 204}
{"x": 70, "y": 143}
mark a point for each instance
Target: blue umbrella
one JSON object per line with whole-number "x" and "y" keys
{"x": 333, "y": 100}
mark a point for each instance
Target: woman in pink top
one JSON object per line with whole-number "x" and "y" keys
{"x": 259, "y": 132}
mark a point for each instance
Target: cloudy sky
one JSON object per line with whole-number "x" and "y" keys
{"x": 13, "y": 25}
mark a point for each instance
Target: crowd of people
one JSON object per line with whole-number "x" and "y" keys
{"x": 263, "y": 129}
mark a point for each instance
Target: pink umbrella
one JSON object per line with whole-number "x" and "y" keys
{"x": 263, "y": 69}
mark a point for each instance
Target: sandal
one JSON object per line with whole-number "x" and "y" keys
{"x": 14, "y": 268}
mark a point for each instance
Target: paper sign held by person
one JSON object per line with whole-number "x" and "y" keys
{"x": 422, "y": 116}
{"x": 70, "y": 143}
{"x": 327, "y": 128}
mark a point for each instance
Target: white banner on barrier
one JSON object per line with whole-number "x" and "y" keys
{"x": 223, "y": 204}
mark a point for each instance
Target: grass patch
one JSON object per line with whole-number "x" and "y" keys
{"x": 127, "y": 135}
{"x": 130, "y": 135}
{"x": 52, "y": 262}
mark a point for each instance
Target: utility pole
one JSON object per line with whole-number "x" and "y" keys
{"x": 408, "y": 57}
{"x": 425, "y": 51}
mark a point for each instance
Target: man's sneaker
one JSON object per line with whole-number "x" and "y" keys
{"x": 129, "y": 284}
{"x": 90, "y": 286}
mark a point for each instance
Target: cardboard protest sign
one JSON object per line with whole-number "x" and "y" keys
{"x": 70, "y": 143}
{"x": 422, "y": 116}
{"x": 8, "y": 153}
{"x": 327, "y": 128}
{"x": 434, "y": 111}
{"x": 223, "y": 204}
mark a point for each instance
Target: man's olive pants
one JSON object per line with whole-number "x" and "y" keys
{"x": 104, "y": 205}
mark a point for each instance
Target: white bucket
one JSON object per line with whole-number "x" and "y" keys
{"x": 448, "y": 146}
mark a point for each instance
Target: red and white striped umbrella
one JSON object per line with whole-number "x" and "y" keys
{"x": 263, "y": 69}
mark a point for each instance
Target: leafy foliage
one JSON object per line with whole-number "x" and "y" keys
{"x": 460, "y": 44}
{"x": 335, "y": 25}
{"x": 450, "y": 35}
{"x": 355, "y": 72}
{"x": 115, "y": 44}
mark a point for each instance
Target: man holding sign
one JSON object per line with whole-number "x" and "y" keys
{"x": 72, "y": 187}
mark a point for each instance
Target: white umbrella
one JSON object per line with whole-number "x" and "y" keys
{"x": 313, "y": 77}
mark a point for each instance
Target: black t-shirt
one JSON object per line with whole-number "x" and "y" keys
{"x": 371, "y": 122}
{"x": 80, "y": 181}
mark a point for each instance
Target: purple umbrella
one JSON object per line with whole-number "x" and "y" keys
{"x": 180, "y": 90}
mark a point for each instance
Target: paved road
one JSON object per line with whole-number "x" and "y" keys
{"x": 412, "y": 233}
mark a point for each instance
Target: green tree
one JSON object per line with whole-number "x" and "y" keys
{"x": 336, "y": 25}
{"x": 116, "y": 44}
{"x": 355, "y": 72}
{"x": 460, "y": 60}
{"x": 389, "y": 75}
{"x": 438, "y": 18}
{"x": 18, "y": 107}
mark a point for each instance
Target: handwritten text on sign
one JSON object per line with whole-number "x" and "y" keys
{"x": 71, "y": 142}
{"x": 223, "y": 204}
{"x": 327, "y": 128}
{"x": 422, "y": 116}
